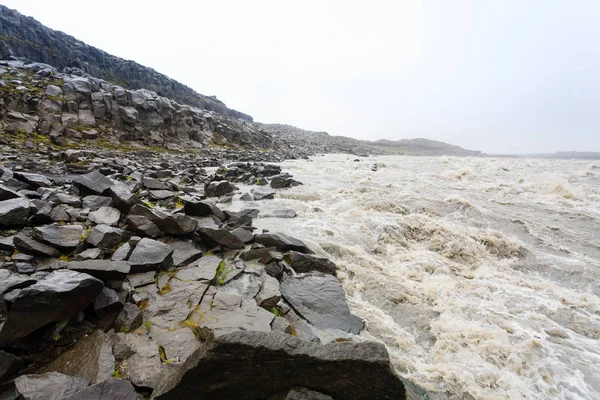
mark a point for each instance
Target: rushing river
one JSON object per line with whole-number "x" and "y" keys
{"x": 481, "y": 275}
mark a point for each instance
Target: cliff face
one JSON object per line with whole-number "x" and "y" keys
{"x": 24, "y": 37}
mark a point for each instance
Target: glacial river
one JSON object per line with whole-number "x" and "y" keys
{"x": 481, "y": 275}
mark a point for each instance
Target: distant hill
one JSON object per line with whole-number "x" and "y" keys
{"x": 421, "y": 147}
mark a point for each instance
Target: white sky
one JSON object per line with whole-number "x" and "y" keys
{"x": 508, "y": 76}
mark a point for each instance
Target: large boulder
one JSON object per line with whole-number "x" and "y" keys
{"x": 92, "y": 359}
{"x": 171, "y": 224}
{"x": 93, "y": 183}
{"x": 240, "y": 360}
{"x": 66, "y": 237}
{"x": 107, "y": 237}
{"x": 321, "y": 300}
{"x": 48, "y": 386}
{"x": 15, "y": 212}
{"x": 105, "y": 215}
{"x": 112, "y": 389}
{"x": 35, "y": 180}
{"x": 218, "y": 188}
{"x": 221, "y": 237}
{"x": 301, "y": 262}
{"x": 203, "y": 208}
{"x": 27, "y": 245}
{"x": 282, "y": 242}
{"x": 149, "y": 255}
{"x": 56, "y": 297}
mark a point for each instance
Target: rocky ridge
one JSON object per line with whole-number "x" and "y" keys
{"x": 123, "y": 277}
{"x": 24, "y": 37}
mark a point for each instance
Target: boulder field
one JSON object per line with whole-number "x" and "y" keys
{"x": 128, "y": 280}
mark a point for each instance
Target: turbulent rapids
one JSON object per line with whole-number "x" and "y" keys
{"x": 480, "y": 275}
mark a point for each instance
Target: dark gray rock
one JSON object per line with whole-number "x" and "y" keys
{"x": 65, "y": 237}
{"x": 221, "y": 237}
{"x": 91, "y": 359}
{"x": 7, "y": 243}
{"x": 301, "y": 262}
{"x": 320, "y": 299}
{"x": 122, "y": 253}
{"x": 10, "y": 281}
{"x": 154, "y": 184}
{"x": 29, "y": 246}
{"x": 105, "y": 216}
{"x": 34, "y": 180}
{"x": 260, "y": 193}
{"x": 64, "y": 198}
{"x": 56, "y": 297}
{"x": 218, "y": 188}
{"x": 107, "y": 302}
{"x": 7, "y": 193}
{"x": 93, "y": 183}
{"x": 203, "y": 269}
{"x": 256, "y": 253}
{"x": 123, "y": 198}
{"x": 282, "y": 181}
{"x": 171, "y": 224}
{"x": 15, "y": 212}
{"x": 150, "y": 255}
{"x": 185, "y": 252}
{"x": 130, "y": 318}
{"x": 282, "y": 242}
{"x": 112, "y": 389}
{"x": 345, "y": 370}
{"x": 269, "y": 294}
{"x": 158, "y": 195}
{"x": 301, "y": 330}
{"x": 94, "y": 202}
{"x": 9, "y": 365}
{"x": 142, "y": 226}
{"x": 106, "y": 270}
{"x": 48, "y": 386}
{"x": 107, "y": 237}
{"x": 203, "y": 208}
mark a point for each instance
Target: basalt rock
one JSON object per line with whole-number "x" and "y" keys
{"x": 344, "y": 370}
{"x": 56, "y": 297}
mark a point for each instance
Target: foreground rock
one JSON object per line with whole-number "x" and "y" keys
{"x": 56, "y": 297}
{"x": 239, "y": 360}
{"x": 321, "y": 300}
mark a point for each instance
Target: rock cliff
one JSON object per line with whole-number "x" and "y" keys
{"x": 24, "y": 37}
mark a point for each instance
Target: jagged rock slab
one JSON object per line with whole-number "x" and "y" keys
{"x": 11, "y": 280}
{"x": 282, "y": 242}
{"x": 9, "y": 365}
{"x": 56, "y": 297}
{"x": 27, "y": 245}
{"x": 301, "y": 262}
{"x": 112, "y": 389}
{"x": 65, "y": 237}
{"x": 221, "y": 237}
{"x": 107, "y": 237}
{"x": 49, "y": 386}
{"x": 150, "y": 254}
{"x": 171, "y": 224}
{"x": 105, "y": 216}
{"x": 345, "y": 370}
{"x": 91, "y": 359}
{"x": 15, "y": 212}
{"x": 93, "y": 183}
{"x": 102, "y": 269}
{"x": 320, "y": 299}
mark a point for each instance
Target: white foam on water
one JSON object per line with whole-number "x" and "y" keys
{"x": 480, "y": 275}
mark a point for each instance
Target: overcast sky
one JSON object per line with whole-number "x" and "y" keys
{"x": 508, "y": 76}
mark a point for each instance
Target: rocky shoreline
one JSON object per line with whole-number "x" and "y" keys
{"x": 123, "y": 278}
